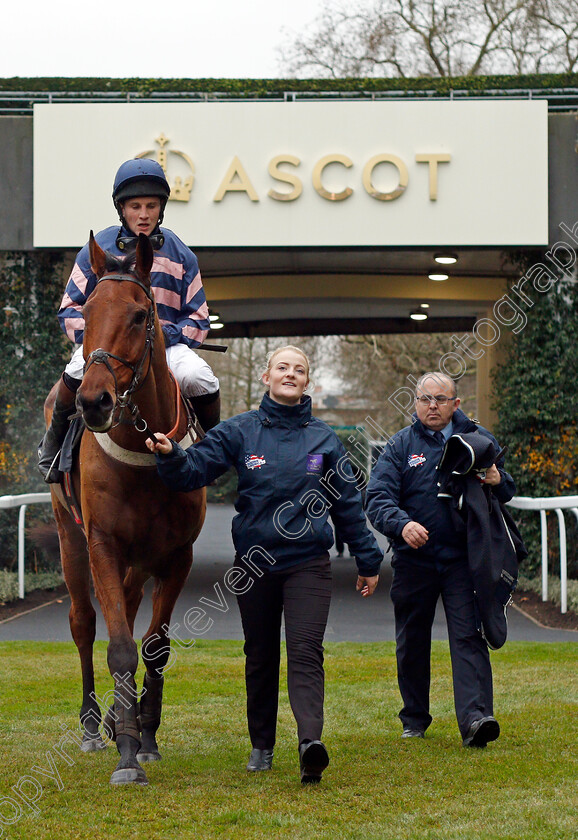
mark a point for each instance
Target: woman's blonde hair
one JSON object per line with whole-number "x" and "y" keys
{"x": 273, "y": 353}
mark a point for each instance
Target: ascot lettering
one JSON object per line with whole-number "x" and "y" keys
{"x": 236, "y": 178}
{"x": 236, "y": 171}
{"x": 402, "y": 177}
{"x": 432, "y": 161}
{"x": 285, "y": 178}
{"x": 318, "y": 172}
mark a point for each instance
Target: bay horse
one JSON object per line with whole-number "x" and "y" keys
{"x": 134, "y": 527}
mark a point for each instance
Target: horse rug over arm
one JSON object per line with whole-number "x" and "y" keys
{"x": 494, "y": 544}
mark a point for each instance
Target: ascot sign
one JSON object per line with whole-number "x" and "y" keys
{"x": 243, "y": 183}
{"x": 305, "y": 173}
{"x": 237, "y": 179}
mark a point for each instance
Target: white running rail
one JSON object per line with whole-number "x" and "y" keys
{"x": 544, "y": 504}
{"x": 22, "y": 502}
{"x": 558, "y": 504}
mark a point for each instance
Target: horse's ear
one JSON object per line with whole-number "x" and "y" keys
{"x": 144, "y": 256}
{"x": 97, "y": 256}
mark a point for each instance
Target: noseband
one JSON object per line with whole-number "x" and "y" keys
{"x": 101, "y": 357}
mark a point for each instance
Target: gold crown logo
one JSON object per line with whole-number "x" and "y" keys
{"x": 180, "y": 187}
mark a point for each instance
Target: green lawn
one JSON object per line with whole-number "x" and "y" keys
{"x": 523, "y": 787}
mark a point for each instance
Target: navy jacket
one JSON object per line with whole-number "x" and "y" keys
{"x": 404, "y": 487}
{"x": 293, "y": 472}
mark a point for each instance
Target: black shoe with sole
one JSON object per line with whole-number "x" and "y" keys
{"x": 260, "y": 760}
{"x": 51, "y": 443}
{"x": 482, "y": 731}
{"x": 408, "y": 732}
{"x": 49, "y": 457}
{"x": 313, "y": 759}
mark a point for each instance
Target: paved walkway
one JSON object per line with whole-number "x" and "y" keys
{"x": 351, "y": 618}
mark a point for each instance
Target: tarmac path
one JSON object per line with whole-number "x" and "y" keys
{"x": 351, "y": 618}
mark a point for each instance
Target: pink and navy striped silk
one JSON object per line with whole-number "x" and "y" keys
{"x": 175, "y": 280}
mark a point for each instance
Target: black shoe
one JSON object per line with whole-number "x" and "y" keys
{"x": 49, "y": 457}
{"x": 51, "y": 444}
{"x": 481, "y": 732}
{"x": 408, "y": 732}
{"x": 260, "y": 760}
{"x": 313, "y": 759}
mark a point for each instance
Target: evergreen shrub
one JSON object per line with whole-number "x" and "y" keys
{"x": 535, "y": 391}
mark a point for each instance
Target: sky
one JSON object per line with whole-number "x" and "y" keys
{"x": 177, "y": 39}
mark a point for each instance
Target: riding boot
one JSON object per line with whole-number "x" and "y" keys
{"x": 208, "y": 409}
{"x": 51, "y": 444}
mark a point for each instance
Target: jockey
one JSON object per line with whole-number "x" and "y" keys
{"x": 140, "y": 194}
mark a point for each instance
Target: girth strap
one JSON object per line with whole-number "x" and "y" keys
{"x": 136, "y": 459}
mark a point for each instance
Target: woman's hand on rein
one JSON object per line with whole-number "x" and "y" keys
{"x": 366, "y": 585}
{"x": 163, "y": 445}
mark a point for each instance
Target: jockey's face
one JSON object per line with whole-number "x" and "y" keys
{"x": 141, "y": 214}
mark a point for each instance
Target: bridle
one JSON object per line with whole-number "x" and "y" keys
{"x": 102, "y": 357}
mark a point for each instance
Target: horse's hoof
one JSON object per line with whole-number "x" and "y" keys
{"x": 148, "y": 756}
{"x": 92, "y": 744}
{"x": 129, "y": 776}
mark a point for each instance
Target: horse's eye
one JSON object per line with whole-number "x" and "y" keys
{"x": 140, "y": 318}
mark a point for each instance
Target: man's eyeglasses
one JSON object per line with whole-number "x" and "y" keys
{"x": 426, "y": 399}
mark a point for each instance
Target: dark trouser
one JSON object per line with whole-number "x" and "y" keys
{"x": 414, "y": 592}
{"x": 302, "y": 593}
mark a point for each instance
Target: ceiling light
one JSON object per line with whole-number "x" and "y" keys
{"x": 424, "y": 305}
{"x": 446, "y": 259}
{"x": 213, "y": 316}
{"x": 418, "y": 315}
{"x": 438, "y": 276}
{"x": 216, "y": 325}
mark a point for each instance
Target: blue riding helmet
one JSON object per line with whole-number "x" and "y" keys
{"x": 138, "y": 177}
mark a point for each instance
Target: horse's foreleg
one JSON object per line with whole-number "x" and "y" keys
{"x": 122, "y": 662}
{"x": 128, "y": 741}
{"x": 133, "y": 593}
{"x": 156, "y": 650}
{"x": 82, "y": 619}
{"x": 122, "y": 657}
{"x": 151, "y": 704}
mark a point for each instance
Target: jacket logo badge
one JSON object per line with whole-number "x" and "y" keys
{"x": 314, "y": 463}
{"x": 416, "y": 460}
{"x": 253, "y": 462}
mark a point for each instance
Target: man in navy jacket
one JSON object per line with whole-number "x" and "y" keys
{"x": 430, "y": 559}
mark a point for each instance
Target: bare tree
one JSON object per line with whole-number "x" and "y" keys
{"x": 240, "y": 368}
{"x": 559, "y": 22}
{"x": 435, "y": 38}
{"x": 375, "y": 366}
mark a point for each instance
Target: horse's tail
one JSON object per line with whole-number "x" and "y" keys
{"x": 44, "y": 535}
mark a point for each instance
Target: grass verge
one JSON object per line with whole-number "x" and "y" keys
{"x": 377, "y": 786}
{"x": 32, "y": 581}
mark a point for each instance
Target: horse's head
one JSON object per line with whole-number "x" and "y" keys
{"x": 119, "y": 332}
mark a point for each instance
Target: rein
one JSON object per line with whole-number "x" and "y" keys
{"x": 175, "y": 428}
